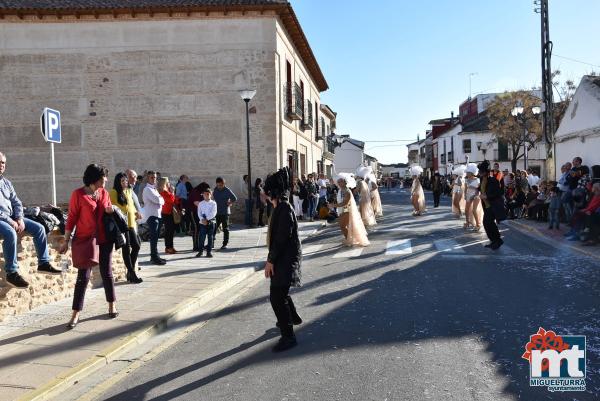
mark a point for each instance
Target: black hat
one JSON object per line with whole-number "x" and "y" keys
{"x": 278, "y": 184}
{"x": 484, "y": 166}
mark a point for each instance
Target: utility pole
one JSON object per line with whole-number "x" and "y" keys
{"x": 541, "y": 7}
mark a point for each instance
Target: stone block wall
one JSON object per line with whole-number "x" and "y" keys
{"x": 44, "y": 288}
{"x": 160, "y": 95}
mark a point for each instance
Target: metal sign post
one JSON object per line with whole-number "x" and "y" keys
{"x": 50, "y": 127}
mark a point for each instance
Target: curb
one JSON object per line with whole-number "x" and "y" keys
{"x": 60, "y": 383}
{"x": 525, "y": 227}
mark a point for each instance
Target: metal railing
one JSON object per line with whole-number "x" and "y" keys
{"x": 294, "y": 104}
{"x": 307, "y": 121}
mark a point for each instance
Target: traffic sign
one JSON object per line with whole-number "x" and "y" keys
{"x": 50, "y": 125}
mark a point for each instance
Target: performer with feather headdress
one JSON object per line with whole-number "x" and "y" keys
{"x": 349, "y": 217}
{"x": 364, "y": 205}
{"x": 417, "y": 194}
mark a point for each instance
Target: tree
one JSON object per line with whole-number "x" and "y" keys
{"x": 510, "y": 129}
{"x": 565, "y": 91}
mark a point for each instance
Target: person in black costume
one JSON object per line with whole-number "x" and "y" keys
{"x": 493, "y": 205}
{"x": 285, "y": 256}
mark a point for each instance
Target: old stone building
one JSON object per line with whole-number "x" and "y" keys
{"x": 154, "y": 84}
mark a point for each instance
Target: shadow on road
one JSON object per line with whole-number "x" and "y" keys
{"x": 501, "y": 304}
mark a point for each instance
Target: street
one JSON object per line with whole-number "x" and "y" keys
{"x": 424, "y": 312}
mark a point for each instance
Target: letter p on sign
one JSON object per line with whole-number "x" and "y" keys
{"x": 50, "y": 125}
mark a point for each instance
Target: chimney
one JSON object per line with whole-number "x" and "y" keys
{"x": 451, "y": 118}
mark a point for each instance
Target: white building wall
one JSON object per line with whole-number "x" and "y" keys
{"x": 348, "y": 158}
{"x": 579, "y": 130}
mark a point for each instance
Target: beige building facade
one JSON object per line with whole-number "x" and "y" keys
{"x": 154, "y": 89}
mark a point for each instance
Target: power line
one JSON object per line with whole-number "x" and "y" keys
{"x": 576, "y": 61}
{"x": 397, "y": 140}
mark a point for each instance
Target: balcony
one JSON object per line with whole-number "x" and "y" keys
{"x": 294, "y": 104}
{"x": 307, "y": 121}
{"x": 321, "y": 134}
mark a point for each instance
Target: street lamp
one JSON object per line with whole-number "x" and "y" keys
{"x": 519, "y": 113}
{"x": 246, "y": 96}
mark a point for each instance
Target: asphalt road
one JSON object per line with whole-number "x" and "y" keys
{"x": 424, "y": 313}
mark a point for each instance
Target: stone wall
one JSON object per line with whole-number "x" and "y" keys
{"x": 157, "y": 94}
{"x": 44, "y": 288}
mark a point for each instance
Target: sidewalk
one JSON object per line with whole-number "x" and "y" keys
{"x": 38, "y": 354}
{"x": 540, "y": 229}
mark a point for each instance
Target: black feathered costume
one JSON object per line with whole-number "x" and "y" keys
{"x": 285, "y": 252}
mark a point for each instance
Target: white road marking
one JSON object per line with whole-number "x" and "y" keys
{"x": 349, "y": 253}
{"x": 399, "y": 247}
{"x": 448, "y": 245}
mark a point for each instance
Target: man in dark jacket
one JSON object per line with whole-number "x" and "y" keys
{"x": 224, "y": 198}
{"x": 436, "y": 187}
{"x": 285, "y": 255}
{"x": 493, "y": 205}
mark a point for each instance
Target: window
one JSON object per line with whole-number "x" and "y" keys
{"x": 302, "y": 93}
{"x": 302, "y": 164}
{"x": 502, "y": 151}
{"x": 320, "y": 167}
{"x": 466, "y": 146}
{"x": 292, "y": 157}
{"x": 316, "y": 122}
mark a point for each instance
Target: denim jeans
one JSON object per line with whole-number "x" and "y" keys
{"x": 567, "y": 204}
{"x": 312, "y": 206}
{"x": 207, "y": 231}
{"x": 9, "y": 246}
{"x": 223, "y": 221}
{"x": 554, "y": 219}
{"x": 154, "y": 224}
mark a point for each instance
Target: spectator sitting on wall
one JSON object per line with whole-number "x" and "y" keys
{"x": 12, "y": 224}
{"x": 585, "y": 217}
{"x": 515, "y": 203}
{"x": 530, "y": 201}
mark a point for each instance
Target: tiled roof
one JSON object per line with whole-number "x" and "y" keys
{"x": 478, "y": 124}
{"x": 120, "y": 4}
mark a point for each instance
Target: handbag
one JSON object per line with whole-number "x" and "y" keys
{"x": 176, "y": 216}
{"x": 85, "y": 252}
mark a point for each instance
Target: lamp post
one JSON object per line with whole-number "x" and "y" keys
{"x": 246, "y": 96}
{"x": 519, "y": 113}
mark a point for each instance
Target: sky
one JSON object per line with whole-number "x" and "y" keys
{"x": 394, "y": 65}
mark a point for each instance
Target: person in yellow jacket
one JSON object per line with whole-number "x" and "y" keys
{"x": 122, "y": 197}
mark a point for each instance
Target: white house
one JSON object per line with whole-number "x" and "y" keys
{"x": 350, "y": 155}
{"x": 579, "y": 131}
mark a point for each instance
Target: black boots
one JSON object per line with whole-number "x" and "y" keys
{"x": 133, "y": 278}
{"x": 285, "y": 343}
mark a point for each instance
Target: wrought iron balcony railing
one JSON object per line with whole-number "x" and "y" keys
{"x": 294, "y": 107}
{"x": 307, "y": 121}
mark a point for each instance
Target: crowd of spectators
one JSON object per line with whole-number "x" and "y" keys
{"x": 573, "y": 200}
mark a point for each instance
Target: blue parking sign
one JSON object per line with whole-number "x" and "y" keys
{"x": 50, "y": 124}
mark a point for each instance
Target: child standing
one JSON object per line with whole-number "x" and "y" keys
{"x": 207, "y": 212}
{"x": 554, "y": 208}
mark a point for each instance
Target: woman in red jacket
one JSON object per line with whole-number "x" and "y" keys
{"x": 87, "y": 207}
{"x": 171, "y": 201}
